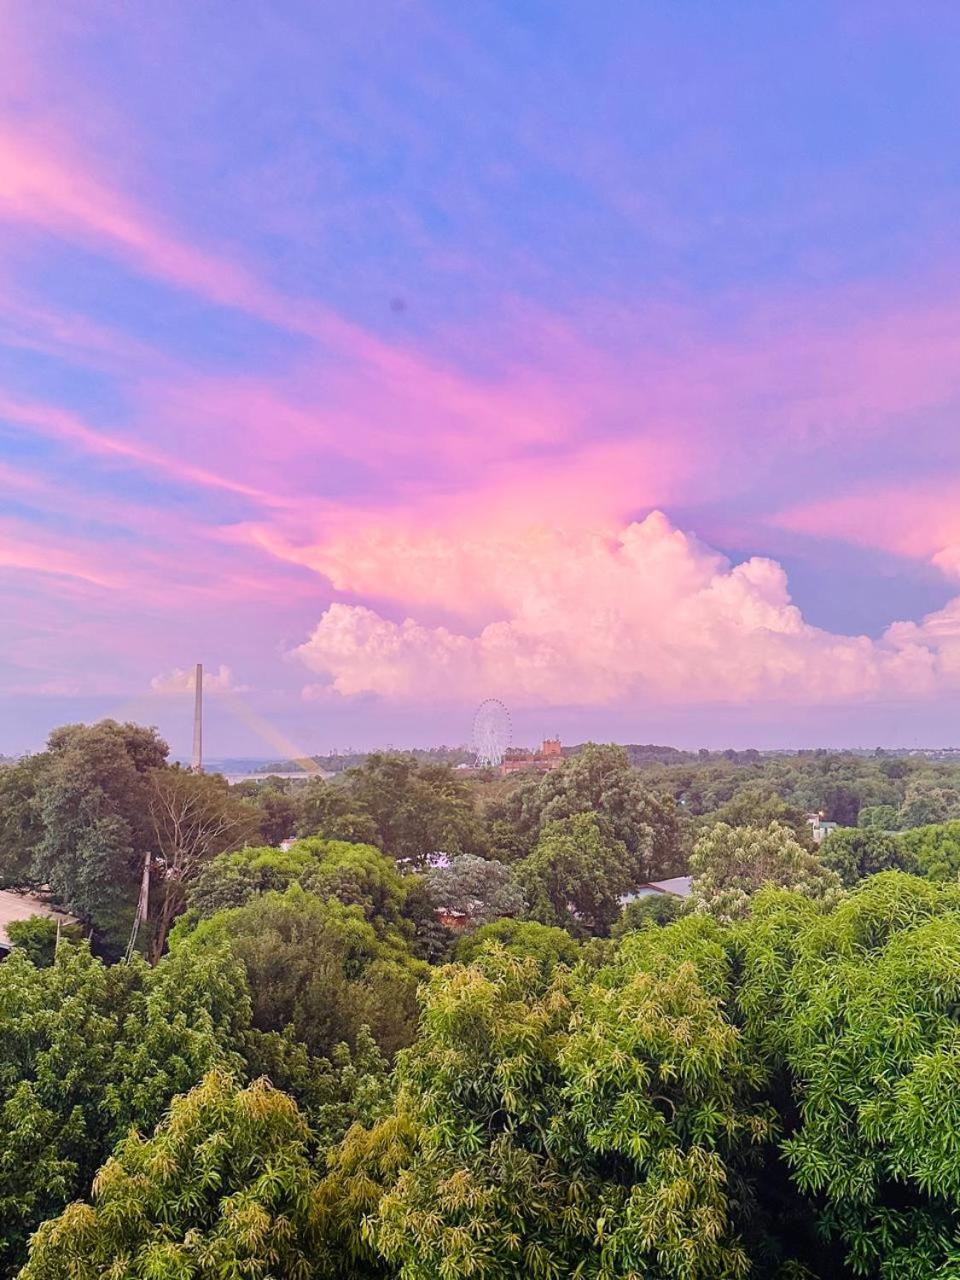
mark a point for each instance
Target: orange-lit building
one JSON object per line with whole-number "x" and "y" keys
{"x": 520, "y": 760}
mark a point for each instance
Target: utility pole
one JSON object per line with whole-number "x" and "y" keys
{"x": 143, "y": 907}
{"x": 198, "y": 721}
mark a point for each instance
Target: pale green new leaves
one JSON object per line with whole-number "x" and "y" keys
{"x": 224, "y": 1190}
{"x": 577, "y": 1125}
{"x": 729, "y": 864}
{"x": 861, "y": 1005}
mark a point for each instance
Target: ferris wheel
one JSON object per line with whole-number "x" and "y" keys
{"x": 491, "y": 732}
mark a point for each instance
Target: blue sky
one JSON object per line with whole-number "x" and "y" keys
{"x": 387, "y": 357}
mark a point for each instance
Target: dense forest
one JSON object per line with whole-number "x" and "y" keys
{"x": 421, "y": 1024}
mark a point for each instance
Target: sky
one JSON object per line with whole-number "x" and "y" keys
{"x": 386, "y": 357}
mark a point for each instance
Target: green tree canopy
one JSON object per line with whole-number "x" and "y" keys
{"x": 328, "y": 810}
{"x": 355, "y": 874}
{"x": 577, "y": 874}
{"x": 758, "y": 804}
{"x": 36, "y": 937}
{"x": 224, "y": 1190}
{"x": 855, "y": 853}
{"x": 859, "y": 1005}
{"x": 317, "y": 966}
{"x": 279, "y": 804}
{"x": 600, "y": 780}
{"x": 651, "y": 909}
{"x": 21, "y": 824}
{"x": 560, "y": 1127}
{"x": 87, "y": 1050}
{"x": 94, "y": 803}
{"x": 547, "y": 944}
{"x": 880, "y": 817}
{"x": 409, "y": 809}
{"x": 233, "y": 879}
{"x": 480, "y": 889}
{"x": 933, "y": 850}
{"x": 729, "y": 864}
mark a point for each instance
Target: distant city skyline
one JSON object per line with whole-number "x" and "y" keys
{"x": 386, "y": 358}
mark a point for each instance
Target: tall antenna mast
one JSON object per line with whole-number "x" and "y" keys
{"x": 198, "y": 721}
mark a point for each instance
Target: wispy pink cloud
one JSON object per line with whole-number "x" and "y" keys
{"x": 22, "y": 550}
{"x": 920, "y": 520}
{"x": 457, "y": 552}
{"x": 47, "y": 189}
{"x": 61, "y": 424}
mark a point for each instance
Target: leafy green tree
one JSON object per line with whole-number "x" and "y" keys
{"x": 880, "y": 817}
{"x": 36, "y": 937}
{"x": 356, "y": 875}
{"x": 651, "y": 909}
{"x": 94, "y": 804}
{"x": 757, "y": 805}
{"x": 923, "y": 806}
{"x": 233, "y": 879}
{"x": 409, "y": 809}
{"x": 21, "y": 825}
{"x": 279, "y": 814}
{"x": 278, "y": 803}
{"x": 316, "y": 965}
{"x": 859, "y": 1005}
{"x": 87, "y": 1050}
{"x": 934, "y": 851}
{"x": 597, "y": 779}
{"x": 418, "y": 809}
{"x": 855, "y": 853}
{"x": 729, "y": 864}
{"x": 548, "y": 945}
{"x": 576, "y": 875}
{"x": 480, "y": 889}
{"x": 224, "y": 1190}
{"x": 485, "y": 1192}
{"x": 558, "y": 1128}
{"x": 328, "y": 810}
{"x": 193, "y": 817}
{"x": 666, "y": 1091}
{"x": 507, "y": 843}
{"x": 350, "y": 1087}
{"x": 369, "y": 1161}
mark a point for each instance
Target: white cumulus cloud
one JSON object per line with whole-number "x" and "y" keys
{"x": 182, "y": 681}
{"x": 647, "y": 615}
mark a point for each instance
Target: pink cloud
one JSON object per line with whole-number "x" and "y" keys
{"x": 184, "y": 681}
{"x": 786, "y": 380}
{"x": 50, "y": 190}
{"x": 61, "y": 424}
{"x": 503, "y": 499}
{"x": 651, "y": 616}
{"x": 26, "y": 552}
{"x": 921, "y": 521}
{"x": 455, "y": 552}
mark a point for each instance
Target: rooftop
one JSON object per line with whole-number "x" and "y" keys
{"x": 21, "y": 906}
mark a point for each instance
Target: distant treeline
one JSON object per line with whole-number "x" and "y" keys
{"x": 639, "y": 755}
{"x": 338, "y": 761}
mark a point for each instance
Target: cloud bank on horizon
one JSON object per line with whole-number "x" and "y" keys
{"x": 602, "y": 361}
{"x": 648, "y": 616}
